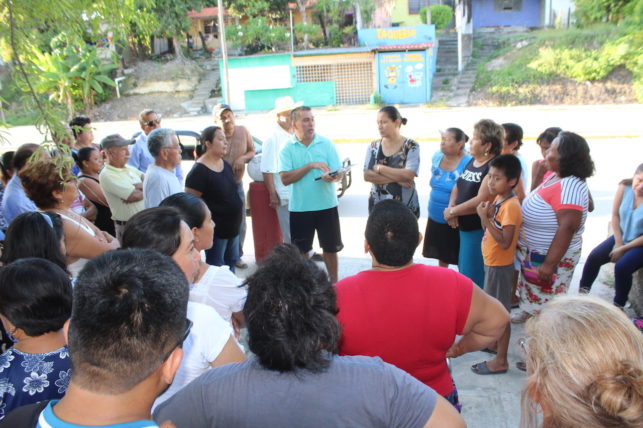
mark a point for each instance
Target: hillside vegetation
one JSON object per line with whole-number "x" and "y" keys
{"x": 595, "y": 63}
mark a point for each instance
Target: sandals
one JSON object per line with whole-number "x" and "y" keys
{"x": 483, "y": 369}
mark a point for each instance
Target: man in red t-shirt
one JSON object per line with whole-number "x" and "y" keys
{"x": 409, "y": 314}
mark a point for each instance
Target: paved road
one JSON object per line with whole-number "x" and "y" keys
{"x": 615, "y": 135}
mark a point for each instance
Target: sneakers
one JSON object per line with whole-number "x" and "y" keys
{"x": 520, "y": 317}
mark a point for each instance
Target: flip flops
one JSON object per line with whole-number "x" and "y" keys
{"x": 489, "y": 351}
{"x": 483, "y": 369}
{"x": 521, "y": 365}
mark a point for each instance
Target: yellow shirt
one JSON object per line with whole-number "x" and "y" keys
{"x": 506, "y": 214}
{"x": 118, "y": 184}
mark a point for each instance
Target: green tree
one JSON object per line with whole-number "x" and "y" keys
{"x": 441, "y": 15}
{"x": 330, "y": 14}
{"x": 595, "y": 11}
{"x": 262, "y": 26}
{"x": 173, "y": 21}
{"x": 28, "y": 26}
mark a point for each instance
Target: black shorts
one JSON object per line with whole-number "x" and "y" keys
{"x": 326, "y": 222}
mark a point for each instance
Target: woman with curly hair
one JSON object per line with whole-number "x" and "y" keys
{"x": 553, "y": 222}
{"x": 53, "y": 188}
{"x": 585, "y": 366}
{"x": 295, "y": 377}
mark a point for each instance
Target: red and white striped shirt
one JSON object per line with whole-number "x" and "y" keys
{"x": 539, "y": 222}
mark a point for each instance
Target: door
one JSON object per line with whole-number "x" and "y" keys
{"x": 403, "y": 77}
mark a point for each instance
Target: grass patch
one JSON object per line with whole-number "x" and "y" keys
{"x": 587, "y": 54}
{"x": 20, "y": 118}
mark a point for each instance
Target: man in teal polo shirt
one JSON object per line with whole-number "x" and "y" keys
{"x": 307, "y": 163}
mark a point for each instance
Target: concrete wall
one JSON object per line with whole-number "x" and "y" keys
{"x": 256, "y": 73}
{"x": 401, "y": 16}
{"x": 485, "y": 15}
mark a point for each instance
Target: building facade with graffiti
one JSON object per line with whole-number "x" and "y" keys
{"x": 397, "y": 63}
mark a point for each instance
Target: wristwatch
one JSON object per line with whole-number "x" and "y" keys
{"x": 451, "y": 212}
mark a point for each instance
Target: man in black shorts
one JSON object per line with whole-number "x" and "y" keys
{"x": 308, "y": 162}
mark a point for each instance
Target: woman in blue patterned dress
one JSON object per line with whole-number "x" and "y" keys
{"x": 35, "y": 303}
{"x": 441, "y": 241}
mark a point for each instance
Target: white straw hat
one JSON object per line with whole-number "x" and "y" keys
{"x": 285, "y": 104}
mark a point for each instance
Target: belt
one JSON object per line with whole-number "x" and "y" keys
{"x": 120, "y": 223}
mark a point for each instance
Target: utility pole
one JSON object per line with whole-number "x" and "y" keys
{"x": 224, "y": 52}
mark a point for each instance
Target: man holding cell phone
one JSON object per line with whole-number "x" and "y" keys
{"x": 310, "y": 165}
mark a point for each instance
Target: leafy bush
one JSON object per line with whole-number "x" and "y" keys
{"x": 314, "y": 32}
{"x": 257, "y": 35}
{"x": 595, "y": 11}
{"x": 441, "y": 15}
{"x": 75, "y": 76}
{"x": 588, "y": 54}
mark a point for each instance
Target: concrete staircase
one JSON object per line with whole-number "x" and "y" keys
{"x": 446, "y": 75}
{"x": 449, "y": 87}
{"x": 201, "y": 101}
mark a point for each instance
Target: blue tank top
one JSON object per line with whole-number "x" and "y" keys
{"x": 631, "y": 219}
{"x": 442, "y": 183}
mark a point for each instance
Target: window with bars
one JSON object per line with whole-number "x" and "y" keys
{"x": 507, "y": 5}
{"x": 353, "y": 80}
{"x": 416, "y": 5}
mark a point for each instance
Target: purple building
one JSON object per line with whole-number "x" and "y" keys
{"x": 507, "y": 13}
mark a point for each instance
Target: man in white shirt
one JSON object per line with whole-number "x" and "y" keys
{"x": 279, "y": 193}
{"x": 160, "y": 180}
{"x": 140, "y": 157}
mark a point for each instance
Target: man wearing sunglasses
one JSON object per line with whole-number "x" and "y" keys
{"x": 125, "y": 335}
{"x": 140, "y": 156}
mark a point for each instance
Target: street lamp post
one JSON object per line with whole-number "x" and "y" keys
{"x": 291, "y": 7}
{"x": 224, "y": 52}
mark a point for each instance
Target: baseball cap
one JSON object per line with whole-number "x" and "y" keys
{"x": 115, "y": 140}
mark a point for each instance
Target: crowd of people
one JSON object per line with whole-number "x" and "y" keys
{"x": 112, "y": 316}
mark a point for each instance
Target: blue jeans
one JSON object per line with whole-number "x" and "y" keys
{"x": 624, "y": 268}
{"x": 223, "y": 252}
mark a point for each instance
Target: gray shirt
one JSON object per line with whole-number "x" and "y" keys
{"x": 353, "y": 392}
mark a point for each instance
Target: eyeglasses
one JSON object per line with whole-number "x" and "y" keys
{"x": 152, "y": 122}
{"x": 186, "y": 333}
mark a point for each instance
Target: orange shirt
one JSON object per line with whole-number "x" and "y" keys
{"x": 506, "y": 214}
